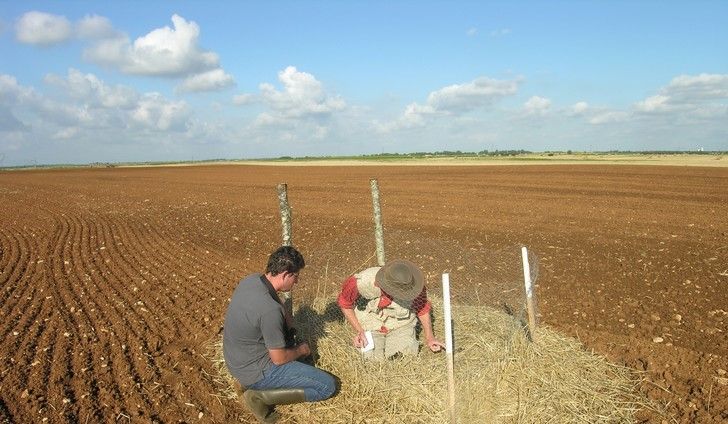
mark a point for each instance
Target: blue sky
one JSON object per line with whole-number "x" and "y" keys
{"x": 124, "y": 81}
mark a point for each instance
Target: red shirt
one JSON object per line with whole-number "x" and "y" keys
{"x": 349, "y": 294}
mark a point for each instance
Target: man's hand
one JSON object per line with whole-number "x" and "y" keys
{"x": 435, "y": 345}
{"x": 360, "y": 340}
{"x": 288, "y": 354}
{"x": 303, "y": 350}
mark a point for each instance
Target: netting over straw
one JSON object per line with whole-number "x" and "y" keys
{"x": 481, "y": 275}
{"x": 500, "y": 376}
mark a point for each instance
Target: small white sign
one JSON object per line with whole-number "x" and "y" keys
{"x": 370, "y": 342}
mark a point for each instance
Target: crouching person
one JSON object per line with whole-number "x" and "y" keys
{"x": 257, "y": 344}
{"x": 387, "y": 302}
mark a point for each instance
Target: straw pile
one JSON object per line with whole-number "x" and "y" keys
{"x": 500, "y": 376}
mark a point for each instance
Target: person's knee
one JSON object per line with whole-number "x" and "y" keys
{"x": 320, "y": 388}
{"x": 328, "y": 387}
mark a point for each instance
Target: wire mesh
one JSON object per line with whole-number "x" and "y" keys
{"x": 479, "y": 274}
{"x": 502, "y": 374}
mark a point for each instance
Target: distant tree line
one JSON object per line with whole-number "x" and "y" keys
{"x": 493, "y": 153}
{"x": 442, "y": 153}
{"x": 384, "y": 156}
{"x": 665, "y": 152}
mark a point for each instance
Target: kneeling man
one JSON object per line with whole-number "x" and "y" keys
{"x": 256, "y": 348}
{"x": 387, "y": 302}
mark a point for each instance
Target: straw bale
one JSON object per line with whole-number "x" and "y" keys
{"x": 500, "y": 376}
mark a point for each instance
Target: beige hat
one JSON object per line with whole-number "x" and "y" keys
{"x": 401, "y": 279}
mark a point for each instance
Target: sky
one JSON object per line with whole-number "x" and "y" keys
{"x": 136, "y": 81}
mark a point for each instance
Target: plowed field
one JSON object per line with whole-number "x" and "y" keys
{"x": 113, "y": 280}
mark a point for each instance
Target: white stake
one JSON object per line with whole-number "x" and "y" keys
{"x": 448, "y": 345}
{"x": 529, "y": 293}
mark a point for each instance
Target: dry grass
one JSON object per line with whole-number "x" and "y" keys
{"x": 500, "y": 376}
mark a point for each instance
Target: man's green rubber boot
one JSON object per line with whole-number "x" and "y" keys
{"x": 261, "y": 411}
{"x": 261, "y": 402}
{"x": 282, "y": 396}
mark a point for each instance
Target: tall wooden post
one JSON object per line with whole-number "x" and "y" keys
{"x": 378, "y": 229}
{"x": 285, "y": 209}
{"x": 285, "y": 212}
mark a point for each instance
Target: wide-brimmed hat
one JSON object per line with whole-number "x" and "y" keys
{"x": 400, "y": 279}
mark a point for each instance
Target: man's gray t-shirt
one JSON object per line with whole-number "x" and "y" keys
{"x": 254, "y": 323}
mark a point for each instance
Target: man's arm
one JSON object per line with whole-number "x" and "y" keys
{"x": 289, "y": 354}
{"x": 434, "y": 344}
{"x": 360, "y": 339}
{"x": 347, "y": 300}
{"x": 273, "y": 328}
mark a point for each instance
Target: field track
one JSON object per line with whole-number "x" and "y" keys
{"x": 113, "y": 280}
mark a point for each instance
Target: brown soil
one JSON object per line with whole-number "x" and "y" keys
{"x": 113, "y": 280}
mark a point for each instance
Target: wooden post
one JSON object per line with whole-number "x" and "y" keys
{"x": 449, "y": 347}
{"x": 378, "y": 230}
{"x": 285, "y": 209}
{"x": 529, "y": 294}
{"x": 285, "y": 213}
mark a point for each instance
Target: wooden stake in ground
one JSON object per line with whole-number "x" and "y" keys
{"x": 529, "y": 294}
{"x": 378, "y": 230}
{"x": 282, "y": 188}
{"x": 447, "y": 317}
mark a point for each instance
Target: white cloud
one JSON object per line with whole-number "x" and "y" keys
{"x": 320, "y": 132}
{"x": 537, "y": 105}
{"x": 8, "y": 121}
{"x": 719, "y": 111}
{"x": 169, "y": 52}
{"x": 90, "y": 89}
{"x": 243, "y": 99}
{"x": 413, "y": 117}
{"x": 302, "y": 96}
{"x": 215, "y": 79}
{"x": 608, "y": 117}
{"x": 155, "y": 112}
{"x": 66, "y": 133}
{"x": 456, "y": 99}
{"x": 96, "y": 27}
{"x": 43, "y": 29}
{"x": 698, "y": 87}
{"x": 267, "y": 120}
{"x": 579, "y": 108}
{"x": 14, "y": 98}
{"x": 11, "y": 92}
{"x": 414, "y": 113}
{"x": 162, "y": 52}
{"x": 63, "y": 113}
{"x": 469, "y": 96}
{"x": 686, "y": 96}
{"x": 298, "y": 113}
{"x": 86, "y": 106}
{"x": 654, "y": 104}
{"x": 472, "y": 32}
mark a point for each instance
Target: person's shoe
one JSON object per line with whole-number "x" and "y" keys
{"x": 261, "y": 402}
{"x": 262, "y": 411}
